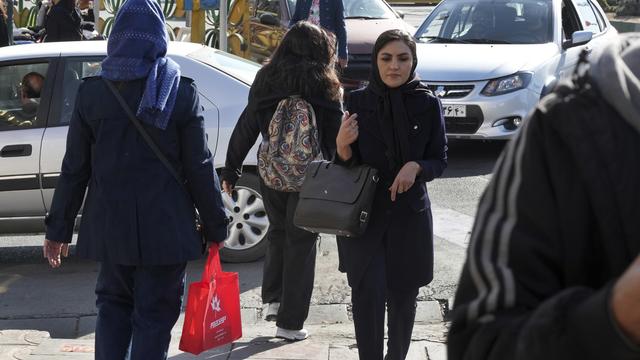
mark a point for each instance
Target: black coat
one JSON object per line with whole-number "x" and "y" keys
{"x": 406, "y": 223}
{"x": 4, "y": 31}
{"x": 63, "y": 24}
{"x": 255, "y": 120}
{"x": 557, "y": 225}
{"x": 135, "y": 212}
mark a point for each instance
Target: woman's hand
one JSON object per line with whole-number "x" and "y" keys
{"x": 625, "y": 301}
{"x": 347, "y": 135}
{"x": 405, "y": 179}
{"x": 227, "y": 187}
{"x": 52, "y": 251}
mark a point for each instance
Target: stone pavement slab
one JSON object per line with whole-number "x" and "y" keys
{"x": 333, "y": 342}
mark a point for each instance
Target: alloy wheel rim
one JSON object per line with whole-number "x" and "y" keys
{"x": 248, "y": 219}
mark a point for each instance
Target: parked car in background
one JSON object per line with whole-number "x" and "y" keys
{"x": 32, "y": 143}
{"x": 413, "y": 2}
{"x": 490, "y": 61}
{"x": 257, "y": 26}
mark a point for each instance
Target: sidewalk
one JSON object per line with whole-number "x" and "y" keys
{"x": 331, "y": 341}
{"x": 50, "y": 314}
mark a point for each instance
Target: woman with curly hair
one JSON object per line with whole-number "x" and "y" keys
{"x": 303, "y": 65}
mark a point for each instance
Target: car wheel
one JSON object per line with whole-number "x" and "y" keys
{"x": 249, "y": 224}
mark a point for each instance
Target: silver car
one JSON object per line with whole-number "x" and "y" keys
{"x": 490, "y": 61}
{"x": 33, "y": 129}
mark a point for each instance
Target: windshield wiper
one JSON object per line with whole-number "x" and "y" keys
{"x": 439, "y": 39}
{"x": 364, "y": 17}
{"x": 487, "y": 41}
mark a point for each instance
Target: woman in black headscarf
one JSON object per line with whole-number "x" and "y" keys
{"x": 63, "y": 22}
{"x": 4, "y": 32}
{"x": 396, "y": 126}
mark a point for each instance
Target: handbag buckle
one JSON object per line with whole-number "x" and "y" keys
{"x": 363, "y": 216}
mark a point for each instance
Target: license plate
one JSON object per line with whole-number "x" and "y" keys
{"x": 454, "y": 110}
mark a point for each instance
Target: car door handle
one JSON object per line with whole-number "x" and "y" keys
{"x": 16, "y": 150}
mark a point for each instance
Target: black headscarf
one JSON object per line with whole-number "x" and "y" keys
{"x": 391, "y": 112}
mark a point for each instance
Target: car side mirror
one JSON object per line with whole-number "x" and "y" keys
{"x": 269, "y": 20}
{"x": 578, "y": 38}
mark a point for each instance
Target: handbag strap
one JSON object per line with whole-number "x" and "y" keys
{"x": 156, "y": 150}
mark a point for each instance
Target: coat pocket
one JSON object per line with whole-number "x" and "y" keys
{"x": 418, "y": 197}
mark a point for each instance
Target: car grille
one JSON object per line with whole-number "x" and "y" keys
{"x": 450, "y": 91}
{"x": 465, "y": 125}
{"x": 359, "y": 67}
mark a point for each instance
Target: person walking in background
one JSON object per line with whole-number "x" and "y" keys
{"x": 328, "y": 14}
{"x": 137, "y": 221}
{"x": 5, "y": 39}
{"x": 62, "y": 23}
{"x": 402, "y": 136}
{"x": 553, "y": 266}
{"x": 303, "y": 65}
{"x": 86, "y": 10}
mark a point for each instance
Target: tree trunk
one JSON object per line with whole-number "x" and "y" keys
{"x": 628, "y": 8}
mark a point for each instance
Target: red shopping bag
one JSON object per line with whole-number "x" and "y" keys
{"x": 212, "y": 318}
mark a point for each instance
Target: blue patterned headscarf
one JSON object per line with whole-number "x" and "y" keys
{"x": 136, "y": 49}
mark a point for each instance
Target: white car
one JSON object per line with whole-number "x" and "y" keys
{"x": 33, "y": 131}
{"x": 490, "y": 61}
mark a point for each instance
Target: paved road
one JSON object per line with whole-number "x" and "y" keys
{"x": 61, "y": 302}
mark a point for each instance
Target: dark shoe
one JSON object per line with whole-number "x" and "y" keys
{"x": 271, "y": 312}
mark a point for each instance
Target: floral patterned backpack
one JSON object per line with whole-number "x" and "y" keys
{"x": 291, "y": 144}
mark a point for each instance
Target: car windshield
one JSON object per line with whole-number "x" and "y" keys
{"x": 489, "y": 22}
{"x": 360, "y": 9}
{"x": 235, "y": 66}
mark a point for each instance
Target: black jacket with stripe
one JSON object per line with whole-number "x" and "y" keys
{"x": 558, "y": 224}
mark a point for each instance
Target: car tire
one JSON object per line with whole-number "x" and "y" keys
{"x": 249, "y": 224}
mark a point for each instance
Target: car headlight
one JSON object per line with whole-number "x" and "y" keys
{"x": 507, "y": 84}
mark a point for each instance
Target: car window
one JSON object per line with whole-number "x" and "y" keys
{"x": 489, "y": 22}
{"x": 601, "y": 22}
{"x": 74, "y": 70}
{"x": 588, "y": 18}
{"x": 20, "y": 89}
{"x": 570, "y": 21}
{"x": 368, "y": 9}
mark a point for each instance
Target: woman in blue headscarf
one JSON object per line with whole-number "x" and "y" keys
{"x": 137, "y": 221}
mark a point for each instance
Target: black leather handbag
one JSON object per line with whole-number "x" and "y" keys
{"x": 335, "y": 199}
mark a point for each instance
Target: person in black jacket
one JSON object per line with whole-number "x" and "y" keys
{"x": 5, "y": 39}
{"x": 303, "y": 64}
{"x": 395, "y": 126}
{"x": 138, "y": 221}
{"x": 553, "y": 266}
{"x": 63, "y": 22}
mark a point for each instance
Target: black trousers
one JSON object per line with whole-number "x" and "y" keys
{"x": 137, "y": 308}
{"x": 289, "y": 266}
{"x": 369, "y": 298}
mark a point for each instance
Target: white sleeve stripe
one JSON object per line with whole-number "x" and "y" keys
{"x": 505, "y": 237}
{"x": 496, "y": 221}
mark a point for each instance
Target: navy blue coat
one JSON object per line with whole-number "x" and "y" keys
{"x": 406, "y": 223}
{"x": 135, "y": 212}
{"x": 331, "y": 18}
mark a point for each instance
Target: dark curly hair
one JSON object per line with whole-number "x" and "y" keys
{"x": 303, "y": 63}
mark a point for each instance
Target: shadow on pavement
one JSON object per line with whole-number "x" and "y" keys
{"x": 240, "y": 349}
{"x": 472, "y": 157}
